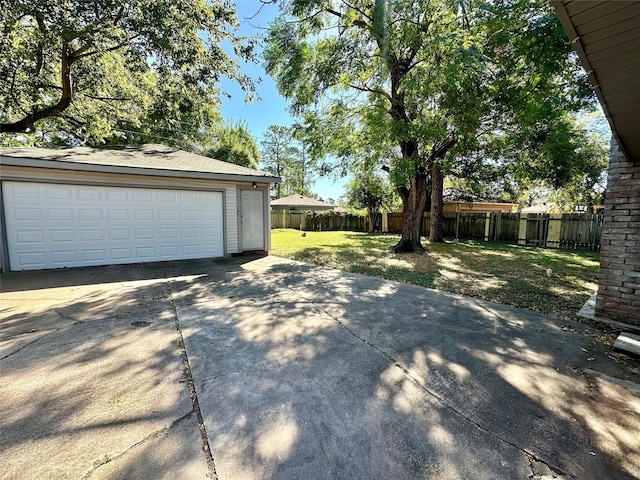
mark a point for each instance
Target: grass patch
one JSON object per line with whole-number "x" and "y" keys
{"x": 497, "y": 272}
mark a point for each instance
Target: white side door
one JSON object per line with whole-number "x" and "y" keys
{"x": 252, "y": 219}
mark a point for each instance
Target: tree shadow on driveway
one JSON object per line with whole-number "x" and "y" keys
{"x": 308, "y": 372}
{"x": 300, "y": 372}
{"x": 92, "y": 377}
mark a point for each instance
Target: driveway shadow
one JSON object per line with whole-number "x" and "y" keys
{"x": 92, "y": 377}
{"x": 300, "y": 372}
{"x": 304, "y": 371}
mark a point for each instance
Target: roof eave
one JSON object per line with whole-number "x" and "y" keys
{"x": 578, "y": 46}
{"x": 92, "y": 167}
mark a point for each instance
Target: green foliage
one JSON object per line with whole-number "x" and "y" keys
{"x": 114, "y": 71}
{"x": 370, "y": 191}
{"x": 285, "y": 156}
{"x": 559, "y": 160}
{"x": 234, "y": 144}
{"x": 409, "y": 83}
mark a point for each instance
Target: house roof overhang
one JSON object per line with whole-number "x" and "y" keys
{"x": 606, "y": 36}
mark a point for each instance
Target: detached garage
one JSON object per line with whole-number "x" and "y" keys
{"x": 82, "y": 206}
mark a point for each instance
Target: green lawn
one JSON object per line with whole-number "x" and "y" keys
{"x": 497, "y": 272}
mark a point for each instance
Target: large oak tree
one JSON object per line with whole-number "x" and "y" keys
{"x": 421, "y": 83}
{"x": 114, "y": 70}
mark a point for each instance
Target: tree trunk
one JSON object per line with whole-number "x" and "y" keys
{"x": 436, "y": 232}
{"x": 372, "y": 221}
{"x": 414, "y": 200}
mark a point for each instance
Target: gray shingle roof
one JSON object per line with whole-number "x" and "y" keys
{"x": 150, "y": 159}
{"x": 300, "y": 201}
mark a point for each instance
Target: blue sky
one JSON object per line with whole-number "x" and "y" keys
{"x": 271, "y": 109}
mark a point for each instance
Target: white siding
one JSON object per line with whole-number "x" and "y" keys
{"x": 231, "y": 200}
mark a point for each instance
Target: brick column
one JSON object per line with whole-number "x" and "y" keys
{"x": 619, "y": 280}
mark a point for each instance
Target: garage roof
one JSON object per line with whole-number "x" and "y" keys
{"x": 150, "y": 159}
{"x": 606, "y": 35}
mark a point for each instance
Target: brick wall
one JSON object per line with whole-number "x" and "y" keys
{"x": 619, "y": 280}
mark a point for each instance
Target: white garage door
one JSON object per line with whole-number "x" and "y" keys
{"x": 52, "y": 226}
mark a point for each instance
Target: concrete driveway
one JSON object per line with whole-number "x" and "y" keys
{"x": 271, "y": 369}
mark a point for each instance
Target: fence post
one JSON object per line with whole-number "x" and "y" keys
{"x": 595, "y": 232}
{"x": 545, "y": 230}
{"x": 487, "y": 224}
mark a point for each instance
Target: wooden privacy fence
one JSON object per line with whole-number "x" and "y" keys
{"x": 567, "y": 230}
{"x": 318, "y": 221}
{"x": 543, "y": 230}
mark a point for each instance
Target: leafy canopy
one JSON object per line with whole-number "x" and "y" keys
{"x": 112, "y": 70}
{"x": 234, "y": 144}
{"x": 412, "y": 80}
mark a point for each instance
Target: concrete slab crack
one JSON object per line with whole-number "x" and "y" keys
{"x": 67, "y": 317}
{"x": 30, "y": 343}
{"x": 109, "y": 458}
{"x": 206, "y": 448}
{"x": 529, "y": 455}
{"x": 543, "y": 471}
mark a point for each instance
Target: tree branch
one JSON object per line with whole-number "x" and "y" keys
{"x": 371, "y": 90}
{"x": 403, "y": 191}
{"x": 356, "y": 22}
{"x": 357, "y": 10}
{"x": 25, "y": 125}
{"x": 106, "y": 99}
{"x": 441, "y": 150}
{"x": 95, "y": 52}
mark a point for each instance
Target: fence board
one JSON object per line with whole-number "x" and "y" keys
{"x": 566, "y": 231}
{"x": 581, "y": 230}
{"x": 309, "y": 221}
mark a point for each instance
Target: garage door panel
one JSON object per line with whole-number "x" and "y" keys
{"x": 146, "y": 252}
{"x": 88, "y": 193}
{"x": 35, "y": 260}
{"x": 119, "y": 254}
{"x": 60, "y": 214}
{"x": 95, "y": 256}
{"x": 27, "y": 214}
{"x": 92, "y": 235}
{"x": 143, "y": 215}
{"x": 53, "y": 226}
{"x": 36, "y": 236}
{"x": 87, "y": 214}
{"x": 168, "y": 233}
{"x": 168, "y": 197}
{"x": 117, "y": 195}
{"x": 59, "y": 193}
{"x": 64, "y": 257}
{"x": 120, "y": 214}
{"x": 145, "y": 234}
{"x": 24, "y": 190}
{"x": 189, "y": 197}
